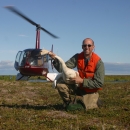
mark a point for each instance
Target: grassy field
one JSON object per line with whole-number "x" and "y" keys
{"x": 37, "y": 106}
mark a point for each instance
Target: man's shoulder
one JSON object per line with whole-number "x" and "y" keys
{"x": 75, "y": 55}
{"x": 100, "y": 59}
{"x": 95, "y": 54}
{"x": 100, "y": 62}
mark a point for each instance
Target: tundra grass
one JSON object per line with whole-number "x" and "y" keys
{"x": 37, "y": 106}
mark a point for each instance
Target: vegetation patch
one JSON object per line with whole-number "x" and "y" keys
{"x": 37, "y": 106}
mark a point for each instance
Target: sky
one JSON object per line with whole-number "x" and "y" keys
{"x": 107, "y": 22}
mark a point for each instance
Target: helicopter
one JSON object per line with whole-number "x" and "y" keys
{"x": 30, "y": 62}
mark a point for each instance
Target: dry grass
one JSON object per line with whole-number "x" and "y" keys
{"x": 37, "y": 106}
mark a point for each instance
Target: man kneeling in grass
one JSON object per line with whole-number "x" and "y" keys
{"x": 90, "y": 79}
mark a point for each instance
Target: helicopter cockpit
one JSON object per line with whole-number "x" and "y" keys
{"x": 31, "y": 58}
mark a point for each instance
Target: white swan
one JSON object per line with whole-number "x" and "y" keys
{"x": 66, "y": 74}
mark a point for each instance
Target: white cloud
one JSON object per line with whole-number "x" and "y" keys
{"x": 22, "y": 35}
{"x": 7, "y": 68}
{"x": 117, "y": 68}
{"x": 4, "y": 65}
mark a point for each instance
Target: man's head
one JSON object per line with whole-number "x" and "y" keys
{"x": 88, "y": 46}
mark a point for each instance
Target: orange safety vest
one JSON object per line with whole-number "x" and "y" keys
{"x": 88, "y": 70}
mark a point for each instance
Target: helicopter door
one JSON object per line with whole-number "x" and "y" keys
{"x": 16, "y": 64}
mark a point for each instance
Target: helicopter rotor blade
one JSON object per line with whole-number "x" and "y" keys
{"x": 48, "y": 32}
{"x": 11, "y": 8}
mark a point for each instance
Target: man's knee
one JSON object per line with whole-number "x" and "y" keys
{"x": 91, "y": 100}
{"x": 61, "y": 86}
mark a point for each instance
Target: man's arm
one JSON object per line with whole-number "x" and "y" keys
{"x": 72, "y": 62}
{"x": 98, "y": 80}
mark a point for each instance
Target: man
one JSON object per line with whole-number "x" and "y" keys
{"x": 90, "y": 78}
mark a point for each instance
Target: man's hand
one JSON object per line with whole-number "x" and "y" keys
{"x": 51, "y": 54}
{"x": 77, "y": 79}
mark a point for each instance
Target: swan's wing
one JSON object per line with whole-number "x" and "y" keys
{"x": 54, "y": 84}
{"x": 58, "y": 76}
{"x": 56, "y": 79}
{"x": 70, "y": 73}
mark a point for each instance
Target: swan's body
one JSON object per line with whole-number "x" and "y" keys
{"x": 66, "y": 74}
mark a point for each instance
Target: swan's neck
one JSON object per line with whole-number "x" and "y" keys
{"x": 44, "y": 52}
{"x": 64, "y": 67}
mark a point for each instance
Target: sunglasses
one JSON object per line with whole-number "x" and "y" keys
{"x": 89, "y": 45}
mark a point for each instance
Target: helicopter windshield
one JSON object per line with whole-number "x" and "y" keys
{"x": 35, "y": 61}
{"x": 38, "y": 60}
{"x": 22, "y": 58}
{"x": 16, "y": 64}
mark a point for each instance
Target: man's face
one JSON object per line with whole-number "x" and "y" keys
{"x": 88, "y": 47}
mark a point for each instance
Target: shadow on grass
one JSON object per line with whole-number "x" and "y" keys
{"x": 35, "y": 107}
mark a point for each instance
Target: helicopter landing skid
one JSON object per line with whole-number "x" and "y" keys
{"x": 21, "y": 77}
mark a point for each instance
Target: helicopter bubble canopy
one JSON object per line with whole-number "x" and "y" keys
{"x": 31, "y": 58}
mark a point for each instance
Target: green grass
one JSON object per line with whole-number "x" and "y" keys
{"x": 107, "y": 77}
{"x": 37, "y": 106}
{"x": 117, "y": 78}
{"x": 13, "y": 77}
